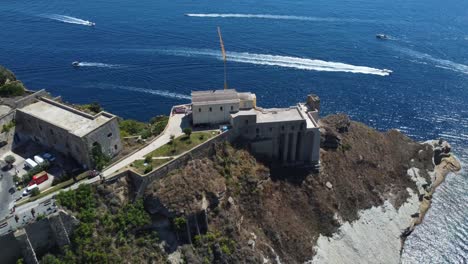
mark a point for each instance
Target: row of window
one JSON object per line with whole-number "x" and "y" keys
{"x": 220, "y": 109}
{"x": 257, "y": 130}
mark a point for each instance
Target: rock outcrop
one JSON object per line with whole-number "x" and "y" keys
{"x": 236, "y": 210}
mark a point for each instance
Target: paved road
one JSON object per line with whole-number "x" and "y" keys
{"x": 176, "y": 124}
{"x": 7, "y": 199}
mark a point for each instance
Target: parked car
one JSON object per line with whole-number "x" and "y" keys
{"x": 12, "y": 190}
{"x": 30, "y": 164}
{"x": 29, "y": 189}
{"x": 48, "y": 156}
{"x": 38, "y": 159}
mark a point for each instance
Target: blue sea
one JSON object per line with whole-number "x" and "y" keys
{"x": 144, "y": 56}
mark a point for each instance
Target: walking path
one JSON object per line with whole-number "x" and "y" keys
{"x": 176, "y": 124}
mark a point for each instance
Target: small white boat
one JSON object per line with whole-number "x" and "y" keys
{"x": 91, "y": 24}
{"x": 382, "y": 36}
{"x": 76, "y": 64}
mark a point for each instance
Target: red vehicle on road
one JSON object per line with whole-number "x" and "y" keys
{"x": 39, "y": 178}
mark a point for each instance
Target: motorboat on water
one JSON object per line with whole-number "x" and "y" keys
{"x": 91, "y": 24}
{"x": 382, "y": 36}
{"x": 76, "y": 64}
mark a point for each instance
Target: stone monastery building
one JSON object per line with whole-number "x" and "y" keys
{"x": 290, "y": 135}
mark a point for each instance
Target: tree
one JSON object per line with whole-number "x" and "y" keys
{"x": 35, "y": 192}
{"x": 187, "y": 131}
{"x": 10, "y": 160}
{"x": 148, "y": 159}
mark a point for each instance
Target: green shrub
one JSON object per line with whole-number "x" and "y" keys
{"x": 132, "y": 127}
{"x": 180, "y": 223}
{"x": 148, "y": 169}
{"x": 8, "y": 126}
{"x": 100, "y": 159}
{"x": 5, "y": 75}
{"x": 35, "y": 192}
{"x": 146, "y": 133}
{"x": 346, "y": 147}
{"x": 94, "y": 107}
{"x": 148, "y": 159}
{"x": 187, "y": 131}
{"x": 11, "y": 89}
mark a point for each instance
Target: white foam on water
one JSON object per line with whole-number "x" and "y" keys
{"x": 163, "y": 93}
{"x": 280, "y": 61}
{"x": 99, "y": 65}
{"x": 279, "y": 17}
{"x": 68, "y": 19}
{"x": 436, "y": 62}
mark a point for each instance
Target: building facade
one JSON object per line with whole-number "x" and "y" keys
{"x": 68, "y": 130}
{"x": 216, "y": 106}
{"x": 289, "y": 135}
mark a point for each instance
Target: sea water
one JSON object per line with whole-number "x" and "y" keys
{"x": 144, "y": 56}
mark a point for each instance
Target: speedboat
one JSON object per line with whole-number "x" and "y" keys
{"x": 76, "y": 64}
{"x": 92, "y": 24}
{"x": 382, "y": 36}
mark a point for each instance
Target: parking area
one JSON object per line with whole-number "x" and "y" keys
{"x": 28, "y": 158}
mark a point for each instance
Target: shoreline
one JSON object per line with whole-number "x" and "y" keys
{"x": 448, "y": 164}
{"x": 386, "y": 227}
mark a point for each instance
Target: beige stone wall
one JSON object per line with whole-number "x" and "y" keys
{"x": 213, "y": 113}
{"x": 31, "y": 128}
{"x": 108, "y": 137}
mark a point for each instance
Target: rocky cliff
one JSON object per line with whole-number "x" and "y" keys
{"x": 371, "y": 191}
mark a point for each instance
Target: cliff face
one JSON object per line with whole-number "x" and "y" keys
{"x": 371, "y": 192}
{"x": 234, "y": 209}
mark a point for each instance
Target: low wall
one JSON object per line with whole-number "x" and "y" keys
{"x": 8, "y": 117}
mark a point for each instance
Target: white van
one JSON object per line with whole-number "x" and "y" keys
{"x": 29, "y": 163}
{"x": 29, "y": 189}
{"x": 38, "y": 159}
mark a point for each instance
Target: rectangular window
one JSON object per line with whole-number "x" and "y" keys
{"x": 211, "y": 109}
{"x": 221, "y": 108}
{"x": 232, "y": 108}
{"x": 257, "y": 130}
{"x": 246, "y": 122}
{"x": 271, "y": 129}
{"x": 199, "y": 109}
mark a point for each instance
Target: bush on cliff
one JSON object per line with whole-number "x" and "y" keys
{"x": 5, "y": 75}
{"x": 11, "y": 89}
{"x": 109, "y": 231}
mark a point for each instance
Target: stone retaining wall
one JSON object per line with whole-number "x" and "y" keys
{"x": 206, "y": 149}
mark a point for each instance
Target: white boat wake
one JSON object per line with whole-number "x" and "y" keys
{"x": 69, "y": 19}
{"x": 280, "y": 61}
{"x": 279, "y": 17}
{"x": 424, "y": 58}
{"x": 98, "y": 64}
{"x": 162, "y": 93}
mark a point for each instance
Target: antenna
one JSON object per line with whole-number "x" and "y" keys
{"x": 223, "y": 51}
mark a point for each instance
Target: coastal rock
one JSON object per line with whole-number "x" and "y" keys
{"x": 329, "y": 139}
